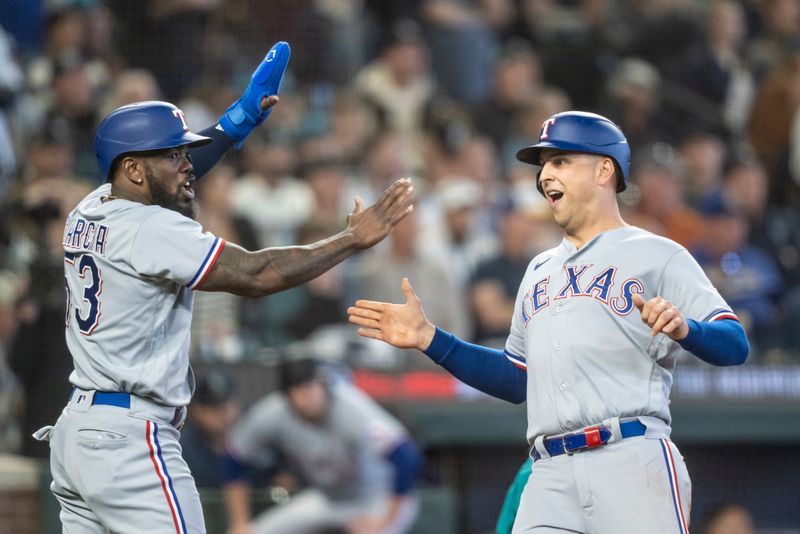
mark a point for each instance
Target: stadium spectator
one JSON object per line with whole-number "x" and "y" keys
{"x": 11, "y": 81}
{"x": 517, "y": 79}
{"x": 662, "y": 206}
{"x": 634, "y": 103}
{"x": 156, "y": 35}
{"x": 778, "y": 26}
{"x": 10, "y": 438}
{"x": 494, "y": 284}
{"x": 129, "y": 86}
{"x": 702, "y": 155}
{"x": 770, "y": 125}
{"x": 463, "y": 44}
{"x": 456, "y": 223}
{"x": 748, "y": 278}
{"x": 269, "y": 181}
{"x": 549, "y": 100}
{"x": 773, "y": 229}
{"x": 399, "y": 82}
{"x": 721, "y": 80}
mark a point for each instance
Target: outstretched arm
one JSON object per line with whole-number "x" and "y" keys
{"x": 405, "y": 326}
{"x": 270, "y": 270}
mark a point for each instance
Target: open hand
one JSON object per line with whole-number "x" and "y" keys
{"x": 402, "y": 325}
{"x": 372, "y": 224}
{"x": 662, "y": 317}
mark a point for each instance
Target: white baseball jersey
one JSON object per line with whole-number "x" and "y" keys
{"x": 343, "y": 455}
{"x": 588, "y": 355}
{"x": 130, "y": 270}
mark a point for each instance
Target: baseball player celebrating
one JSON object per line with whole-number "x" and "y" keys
{"x": 133, "y": 257}
{"x": 598, "y": 325}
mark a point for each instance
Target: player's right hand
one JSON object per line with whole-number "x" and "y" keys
{"x": 372, "y": 224}
{"x": 402, "y": 325}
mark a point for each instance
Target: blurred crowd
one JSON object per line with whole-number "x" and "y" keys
{"x": 444, "y": 91}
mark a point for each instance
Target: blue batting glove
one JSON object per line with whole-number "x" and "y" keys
{"x": 246, "y": 114}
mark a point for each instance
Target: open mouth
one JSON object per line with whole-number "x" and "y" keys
{"x": 553, "y": 197}
{"x": 188, "y": 189}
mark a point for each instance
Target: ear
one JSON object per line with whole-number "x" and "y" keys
{"x": 607, "y": 172}
{"x": 132, "y": 170}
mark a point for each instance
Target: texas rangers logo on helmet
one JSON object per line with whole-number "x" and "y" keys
{"x": 179, "y": 115}
{"x": 546, "y": 126}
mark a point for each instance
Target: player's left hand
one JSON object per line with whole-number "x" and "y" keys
{"x": 662, "y": 317}
{"x": 256, "y": 103}
{"x": 372, "y": 224}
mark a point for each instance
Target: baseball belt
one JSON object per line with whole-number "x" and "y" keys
{"x": 588, "y": 438}
{"x": 123, "y": 400}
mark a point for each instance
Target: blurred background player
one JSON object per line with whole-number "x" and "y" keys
{"x": 359, "y": 464}
{"x": 214, "y": 411}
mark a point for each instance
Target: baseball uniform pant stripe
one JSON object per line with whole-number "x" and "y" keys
{"x": 163, "y": 475}
{"x": 673, "y": 482}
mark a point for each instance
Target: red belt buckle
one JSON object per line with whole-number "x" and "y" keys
{"x": 593, "y": 438}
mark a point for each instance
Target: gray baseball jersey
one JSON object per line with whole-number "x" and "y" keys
{"x": 575, "y": 328}
{"x": 343, "y": 455}
{"x": 130, "y": 270}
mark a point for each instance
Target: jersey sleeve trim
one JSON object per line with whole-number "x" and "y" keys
{"x": 717, "y": 315}
{"x": 519, "y": 361}
{"x": 207, "y": 264}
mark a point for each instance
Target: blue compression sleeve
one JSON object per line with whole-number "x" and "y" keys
{"x": 234, "y": 470}
{"x": 722, "y": 342}
{"x": 206, "y": 156}
{"x": 407, "y": 462}
{"x": 482, "y": 368}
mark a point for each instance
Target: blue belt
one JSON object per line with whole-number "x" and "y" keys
{"x": 109, "y": 398}
{"x": 123, "y": 400}
{"x": 588, "y": 438}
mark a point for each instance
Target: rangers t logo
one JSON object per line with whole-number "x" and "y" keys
{"x": 546, "y": 126}
{"x": 179, "y": 115}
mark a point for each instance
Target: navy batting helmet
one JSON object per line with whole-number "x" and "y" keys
{"x": 578, "y": 131}
{"x": 140, "y": 127}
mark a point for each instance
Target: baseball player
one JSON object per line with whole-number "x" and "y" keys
{"x": 598, "y": 325}
{"x": 358, "y": 462}
{"x": 132, "y": 258}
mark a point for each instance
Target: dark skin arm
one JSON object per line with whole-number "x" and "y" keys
{"x": 259, "y": 273}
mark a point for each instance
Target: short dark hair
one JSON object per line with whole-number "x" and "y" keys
{"x": 298, "y": 371}
{"x": 214, "y": 386}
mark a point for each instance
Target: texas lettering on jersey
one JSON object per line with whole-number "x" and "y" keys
{"x": 619, "y": 297}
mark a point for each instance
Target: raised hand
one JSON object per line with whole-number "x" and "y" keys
{"x": 256, "y": 104}
{"x": 662, "y": 317}
{"x": 402, "y": 325}
{"x": 372, "y": 224}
